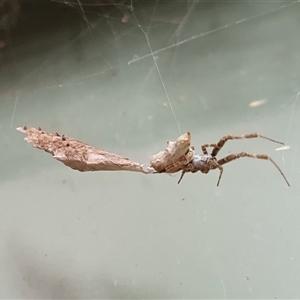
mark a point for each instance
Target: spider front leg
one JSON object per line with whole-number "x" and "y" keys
{"x": 218, "y": 146}
{"x": 232, "y": 157}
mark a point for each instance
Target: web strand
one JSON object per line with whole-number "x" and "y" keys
{"x": 159, "y": 74}
{"x": 292, "y": 115}
{"x": 208, "y": 32}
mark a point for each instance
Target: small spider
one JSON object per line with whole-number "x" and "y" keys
{"x": 206, "y": 162}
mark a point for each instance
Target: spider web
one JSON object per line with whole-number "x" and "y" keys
{"x": 127, "y": 76}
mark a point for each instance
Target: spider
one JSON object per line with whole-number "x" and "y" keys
{"x": 206, "y": 162}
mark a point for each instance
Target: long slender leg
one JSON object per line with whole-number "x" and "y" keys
{"x": 218, "y": 146}
{"x": 204, "y": 150}
{"x": 183, "y": 172}
{"x": 221, "y": 172}
{"x": 232, "y": 157}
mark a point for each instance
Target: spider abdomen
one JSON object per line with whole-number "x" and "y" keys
{"x": 200, "y": 163}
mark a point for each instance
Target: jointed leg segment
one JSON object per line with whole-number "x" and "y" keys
{"x": 218, "y": 146}
{"x": 232, "y": 157}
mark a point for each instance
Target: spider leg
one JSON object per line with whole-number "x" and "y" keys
{"x": 183, "y": 172}
{"x": 204, "y": 150}
{"x": 188, "y": 168}
{"x": 218, "y": 146}
{"x": 221, "y": 172}
{"x": 232, "y": 157}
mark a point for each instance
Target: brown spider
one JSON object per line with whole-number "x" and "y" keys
{"x": 206, "y": 162}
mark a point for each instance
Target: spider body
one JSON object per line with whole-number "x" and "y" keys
{"x": 206, "y": 162}
{"x": 201, "y": 160}
{"x": 203, "y": 163}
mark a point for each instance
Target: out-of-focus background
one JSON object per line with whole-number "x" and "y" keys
{"x": 127, "y": 76}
